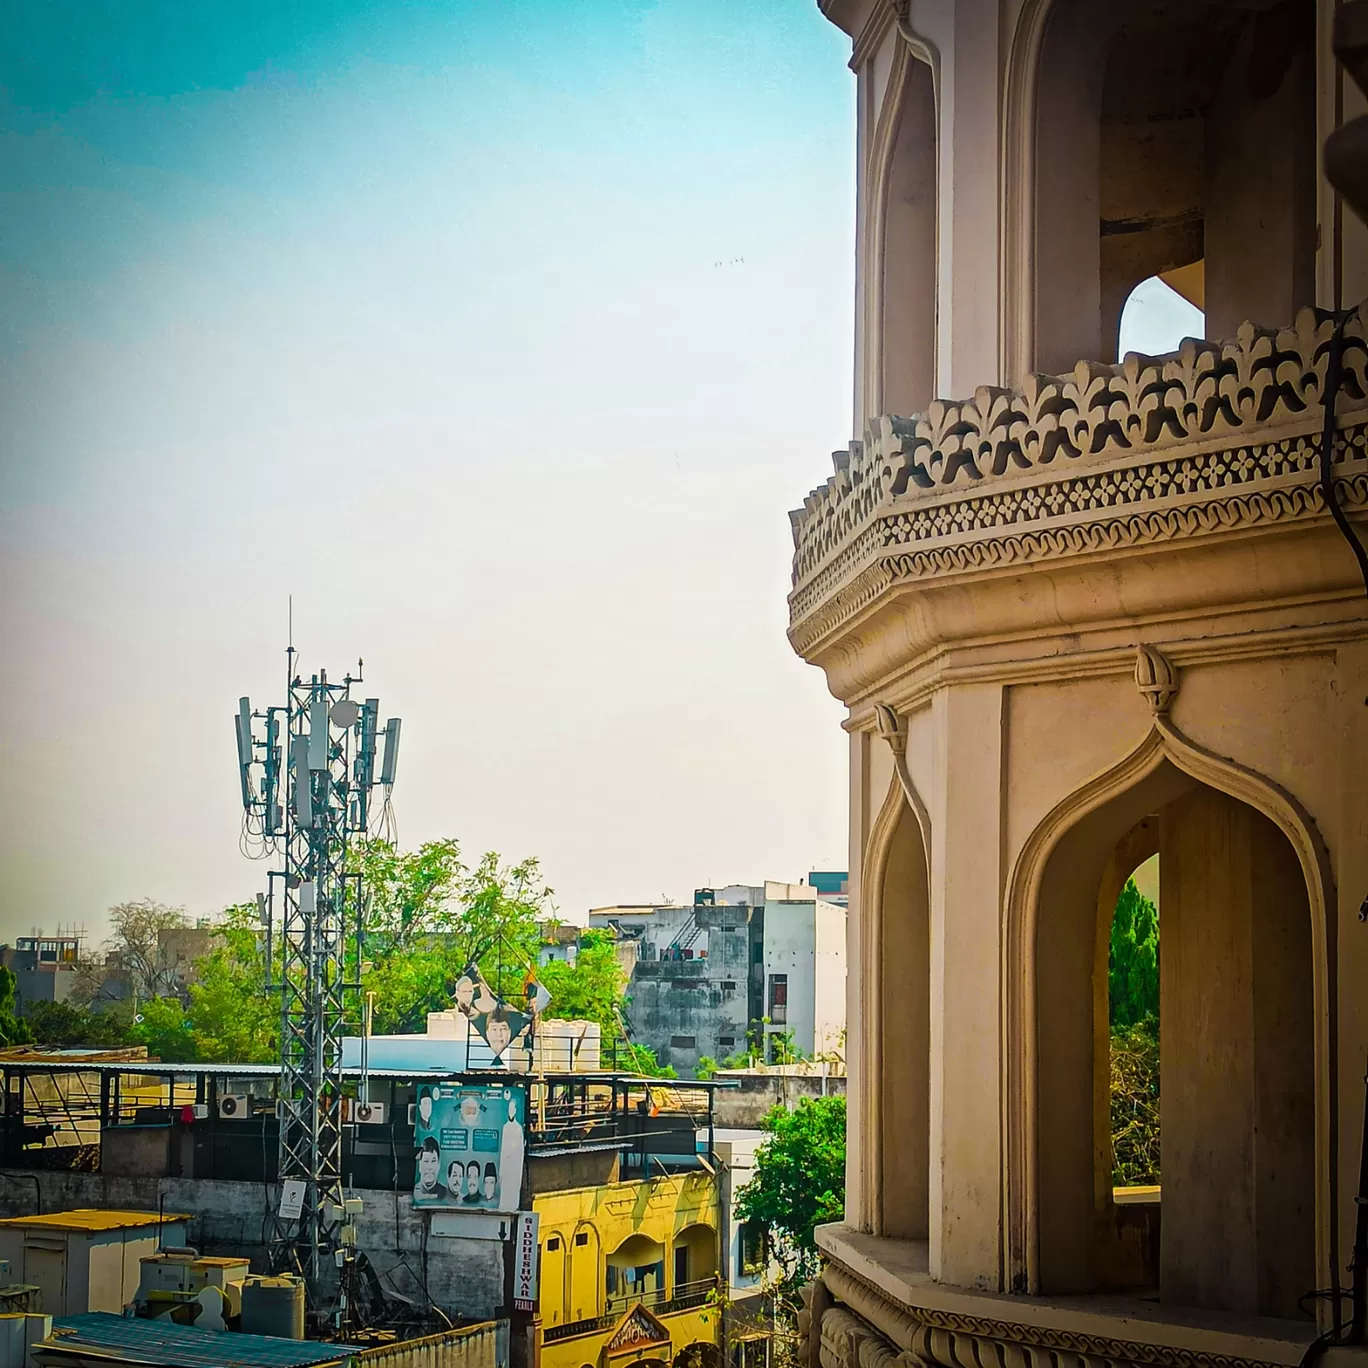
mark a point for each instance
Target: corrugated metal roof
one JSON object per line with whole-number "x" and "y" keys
{"x": 166, "y": 1345}
{"x": 94, "y": 1218}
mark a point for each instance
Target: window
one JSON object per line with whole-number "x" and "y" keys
{"x": 683, "y": 1042}
{"x": 681, "y": 1266}
{"x": 553, "y": 1243}
{"x": 751, "y": 1242}
{"x": 726, "y": 1042}
{"x": 778, "y": 999}
{"x": 582, "y": 1238}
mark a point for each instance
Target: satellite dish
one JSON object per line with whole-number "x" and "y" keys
{"x": 345, "y": 713}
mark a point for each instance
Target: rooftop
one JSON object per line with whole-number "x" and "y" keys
{"x": 95, "y": 1219}
{"x": 100, "y": 1334}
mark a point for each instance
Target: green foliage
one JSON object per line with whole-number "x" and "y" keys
{"x": 799, "y": 1181}
{"x": 1133, "y": 959}
{"x": 705, "y": 1068}
{"x": 1135, "y": 1104}
{"x": 64, "y": 1023}
{"x": 228, "y": 1017}
{"x": 591, "y": 989}
{"x": 641, "y": 1059}
{"x": 430, "y": 915}
{"x": 14, "y": 1030}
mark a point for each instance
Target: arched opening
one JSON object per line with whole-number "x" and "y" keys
{"x": 908, "y": 285}
{"x": 554, "y": 1266}
{"x": 903, "y": 963}
{"x": 1126, "y": 1080}
{"x": 584, "y": 1286}
{"x": 699, "y": 1354}
{"x": 1236, "y": 1057}
{"x": 1174, "y": 138}
{"x": 1156, "y": 317}
{"x": 635, "y": 1271}
{"x": 695, "y": 1258}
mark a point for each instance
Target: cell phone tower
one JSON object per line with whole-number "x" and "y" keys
{"x": 308, "y": 777}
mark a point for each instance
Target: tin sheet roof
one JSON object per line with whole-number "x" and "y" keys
{"x": 166, "y": 1345}
{"x": 94, "y": 1218}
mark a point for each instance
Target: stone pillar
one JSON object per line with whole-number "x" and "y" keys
{"x": 1261, "y": 154}
{"x": 965, "y": 1009}
{"x": 1237, "y": 1154}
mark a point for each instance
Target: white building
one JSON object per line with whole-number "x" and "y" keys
{"x": 739, "y": 962}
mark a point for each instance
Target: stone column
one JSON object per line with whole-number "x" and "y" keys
{"x": 965, "y": 992}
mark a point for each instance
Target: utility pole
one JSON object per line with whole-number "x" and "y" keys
{"x": 308, "y": 774}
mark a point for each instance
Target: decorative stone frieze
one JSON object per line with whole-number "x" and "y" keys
{"x": 1216, "y": 437}
{"x": 854, "y": 1325}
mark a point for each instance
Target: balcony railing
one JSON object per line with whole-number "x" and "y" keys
{"x": 1219, "y": 436}
{"x": 684, "y": 1297}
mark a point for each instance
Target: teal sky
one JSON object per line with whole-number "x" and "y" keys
{"x": 502, "y": 336}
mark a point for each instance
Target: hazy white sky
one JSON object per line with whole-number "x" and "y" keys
{"x": 502, "y": 336}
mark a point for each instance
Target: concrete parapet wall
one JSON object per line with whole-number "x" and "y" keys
{"x": 756, "y": 1095}
{"x": 462, "y": 1277}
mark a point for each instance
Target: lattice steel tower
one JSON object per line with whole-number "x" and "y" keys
{"x": 308, "y": 777}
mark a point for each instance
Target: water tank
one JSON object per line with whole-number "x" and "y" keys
{"x": 273, "y": 1306}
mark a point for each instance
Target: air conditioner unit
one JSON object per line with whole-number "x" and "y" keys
{"x": 368, "y": 1113}
{"x": 233, "y": 1106}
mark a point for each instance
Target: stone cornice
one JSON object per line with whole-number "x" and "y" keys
{"x": 920, "y": 1330}
{"x": 1216, "y": 439}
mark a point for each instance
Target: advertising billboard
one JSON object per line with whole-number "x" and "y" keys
{"x": 470, "y": 1147}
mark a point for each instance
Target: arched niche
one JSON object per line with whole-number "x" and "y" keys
{"x": 695, "y": 1255}
{"x": 1243, "y": 986}
{"x": 898, "y": 1017}
{"x": 907, "y": 286}
{"x": 1145, "y": 137}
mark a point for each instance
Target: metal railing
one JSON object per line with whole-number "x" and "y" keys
{"x": 664, "y": 1302}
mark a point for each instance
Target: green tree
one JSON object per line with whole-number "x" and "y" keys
{"x": 590, "y": 989}
{"x": 641, "y": 1059}
{"x": 799, "y": 1182}
{"x": 227, "y": 1017}
{"x": 429, "y": 915}
{"x": 14, "y": 1029}
{"x": 65, "y": 1023}
{"x": 1133, "y": 959}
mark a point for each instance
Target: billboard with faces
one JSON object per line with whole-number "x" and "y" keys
{"x": 470, "y": 1145}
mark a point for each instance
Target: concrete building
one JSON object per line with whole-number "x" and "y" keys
{"x": 620, "y": 1170}
{"x": 1092, "y": 612}
{"x": 750, "y": 967}
{"x": 44, "y": 967}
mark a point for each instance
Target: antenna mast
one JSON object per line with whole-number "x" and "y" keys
{"x": 308, "y": 774}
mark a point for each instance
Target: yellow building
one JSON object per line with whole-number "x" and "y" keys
{"x": 629, "y": 1274}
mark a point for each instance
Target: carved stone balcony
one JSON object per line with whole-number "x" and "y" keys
{"x": 1220, "y": 440}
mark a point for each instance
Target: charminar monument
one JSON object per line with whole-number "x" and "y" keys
{"x": 1085, "y": 609}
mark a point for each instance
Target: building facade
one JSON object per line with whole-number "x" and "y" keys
{"x": 745, "y": 969}
{"x": 44, "y": 967}
{"x": 629, "y": 1270}
{"x": 1085, "y": 611}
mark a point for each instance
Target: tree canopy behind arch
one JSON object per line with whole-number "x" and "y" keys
{"x": 1133, "y": 960}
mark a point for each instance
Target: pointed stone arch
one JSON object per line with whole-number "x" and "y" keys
{"x": 913, "y": 94}
{"x": 895, "y": 921}
{"x": 1165, "y": 752}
